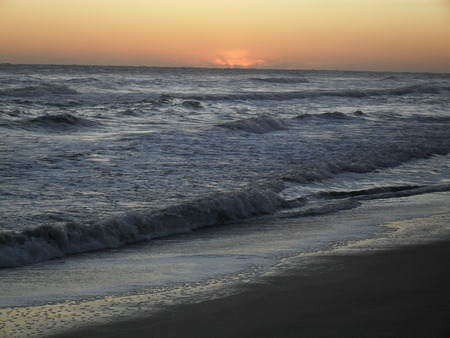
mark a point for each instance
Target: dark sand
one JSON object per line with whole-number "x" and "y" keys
{"x": 396, "y": 293}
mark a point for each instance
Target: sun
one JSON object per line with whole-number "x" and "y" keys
{"x": 236, "y": 58}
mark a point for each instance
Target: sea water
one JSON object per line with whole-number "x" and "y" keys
{"x": 126, "y": 182}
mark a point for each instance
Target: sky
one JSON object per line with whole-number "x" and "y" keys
{"x": 380, "y": 35}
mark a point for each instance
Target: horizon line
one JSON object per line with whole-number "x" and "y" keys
{"x": 222, "y": 68}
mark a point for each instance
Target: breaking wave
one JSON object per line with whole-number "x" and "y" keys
{"x": 258, "y": 125}
{"x": 58, "y": 240}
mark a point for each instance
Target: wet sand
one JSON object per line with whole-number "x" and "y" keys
{"x": 396, "y": 293}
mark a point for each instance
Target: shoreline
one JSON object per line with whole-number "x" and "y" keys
{"x": 401, "y": 292}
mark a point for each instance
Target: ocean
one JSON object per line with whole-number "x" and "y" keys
{"x": 126, "y": 189}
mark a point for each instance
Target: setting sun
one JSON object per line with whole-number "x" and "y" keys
{"x": 237, "y": 58}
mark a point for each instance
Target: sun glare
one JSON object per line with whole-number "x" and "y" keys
{"x": 237, "y": 58}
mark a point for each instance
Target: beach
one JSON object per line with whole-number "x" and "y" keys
{"x": 400, "y": 292}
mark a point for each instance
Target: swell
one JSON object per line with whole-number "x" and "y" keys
{"x": 281, "y": 80}
{"x": 305, "y": 94}
{"x": 393, "y": 190}
{"x": 401, "y": 191}
{"x": 334, "y": 201}
{"x": 52, "y": 123}
{"x": 387, "y": 155}
{"x": 55, "y": 122}
{"x": 258, "y": 125}
{"x": 336, "y": 115}
{"x": 39, "y": 90}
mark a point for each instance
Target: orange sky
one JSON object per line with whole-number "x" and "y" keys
{"x": 403, "y": 35}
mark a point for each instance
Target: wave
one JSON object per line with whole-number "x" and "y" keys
{"x": 362, "y": 163}
{"x": 383, "y": 192}
{"x": 192, "y": 104}
{"x": 258, "y": 125}
{"x": 61, "y": 121}
{"x": 369, "y": 192}
{"x": 334, "y": 201}
{"x": 390, "y": 78}
{"x": 162, "y": 100}
{"x": 305, "y": 94}
{"x": 337, "y": 115}
{"x": 40, "y": 90}
{"x": 58, "y": 240}
{"x": 286, "y": 80}
{"x": 404, "y": 191}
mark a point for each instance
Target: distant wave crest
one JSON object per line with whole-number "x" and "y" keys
{"x": 281, "y": 80}
{"x": 257, "y": 125}
{"x": 59, "y": 121}
{"x": 39, "y": 90}
{"x": 337, "y": 115}
{"x": 305, "y": 94}
{"x": 390, "y": 78}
